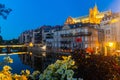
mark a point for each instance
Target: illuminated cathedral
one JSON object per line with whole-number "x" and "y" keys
{"x": 94, "y": 17}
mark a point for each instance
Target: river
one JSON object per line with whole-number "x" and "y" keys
{"x": 29, "y": 61}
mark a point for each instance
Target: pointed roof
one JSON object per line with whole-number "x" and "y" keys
{"x": 95, "y": 7}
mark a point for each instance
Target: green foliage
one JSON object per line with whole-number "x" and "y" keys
{"x": 96, "y": 67}
{"x": 4, "y": 11}
{"x": 5, "y": 73}
{"x": 60, "y": 70}
{"x": 10, "y": 42}
{"x": 89, "y": 67}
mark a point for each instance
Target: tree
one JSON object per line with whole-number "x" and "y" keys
{"x": 4, "y": 11}
{"x": 1, "y": 39}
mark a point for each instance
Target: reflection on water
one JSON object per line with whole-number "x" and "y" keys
{"x": 24, "y": 60}
{"x": 37, "y": 61}
{"x": 17, "y": 65}
{"x": 31, "y": 61}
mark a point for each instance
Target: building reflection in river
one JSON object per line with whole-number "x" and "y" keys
{"x": 38, "y": 61}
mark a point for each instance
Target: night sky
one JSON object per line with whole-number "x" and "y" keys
{"x": 30, "y": 14}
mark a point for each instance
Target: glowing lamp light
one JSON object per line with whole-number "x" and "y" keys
{"x": 30, "y": 53}
{"x": 44, "y": 47}
{"x": 31, "y": 44}
{"x": 114, "y": 20}
{"x": 110, "y": 44}
{"x": 44, "y": 54}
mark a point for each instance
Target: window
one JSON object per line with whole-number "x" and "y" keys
{"x": 86, "y": 45}
{"x": 107, "y": 31}
{"x": 86, "y": 39}
{"x": 86, "y": 30}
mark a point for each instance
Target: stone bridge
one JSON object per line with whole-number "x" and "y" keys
{"x": 12, "y": 48}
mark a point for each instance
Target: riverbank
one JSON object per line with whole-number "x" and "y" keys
{"x": 38, "y": 50}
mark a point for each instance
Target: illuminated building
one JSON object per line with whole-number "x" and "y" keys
{"x": 111, "y": 29}
{"x": 49, "y": 36}
{"x": 92, "y": 31}
{"x": 94, "y": 17}
{"x": 76, "y": 36}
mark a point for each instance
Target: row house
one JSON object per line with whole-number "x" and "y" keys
{"x": 33, "y": 36}
{"x": 48, "y": 36}
{"x": 96, "y": 31}
{"x": 46, "y": 30}
{"x": 92, "y": 21}
{"x": 76, "y": 36}
{"x": 111, "y": 28}
{"x": 37, "y": 36}
{"x": 26, "y": 37}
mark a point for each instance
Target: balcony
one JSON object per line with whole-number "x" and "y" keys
{"x": 49, "y": 36}
{"x": 65, "y": 42}
{"x": 83, "y": 34}
{"x": 77, "y": 34}
{"x": 67, "y": 35}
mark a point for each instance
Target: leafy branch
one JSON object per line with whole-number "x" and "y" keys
{"x": 4, "y": 12}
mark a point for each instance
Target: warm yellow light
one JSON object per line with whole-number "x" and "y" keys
{"x": 114, "y": 20}
{"x": 44, "y": 54}
{"x": 30, "y": 53}
{"x": 110, "y": 44}
{"x": 44, "y": 47}
{"x": 31, "y": 44}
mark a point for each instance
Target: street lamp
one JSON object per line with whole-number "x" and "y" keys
{"x": 110, "y": 46}
{"x": 31, "y": 44}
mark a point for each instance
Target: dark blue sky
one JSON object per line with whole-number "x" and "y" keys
{"x": 30, "y": 14}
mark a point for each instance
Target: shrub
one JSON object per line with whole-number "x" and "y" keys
{"x": 60, "y": 70}
{"x": 95, "y": 67}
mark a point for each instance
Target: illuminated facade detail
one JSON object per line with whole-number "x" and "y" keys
{"x": 70, "y": 20}
{"x": 94, "y": 17}
{"x": 110, "y": 26}
{"x": 114, "y": 21}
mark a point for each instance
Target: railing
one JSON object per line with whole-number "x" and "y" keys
{"x": 65, "y": 42}
{"x": 12, "y": 48}
{"x": 49, "y": 36}
{"x": 77, "y": 34}
{"x": 3, "y": 46}
{"x": 13, "y": 53}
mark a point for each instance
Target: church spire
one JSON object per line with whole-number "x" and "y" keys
{"x": 95, "y": 5}
{"x": 95, "y": 8}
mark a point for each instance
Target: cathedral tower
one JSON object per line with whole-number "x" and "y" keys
{"x": 92, "y": 14}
